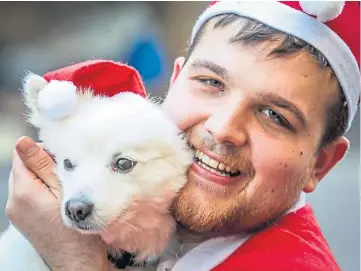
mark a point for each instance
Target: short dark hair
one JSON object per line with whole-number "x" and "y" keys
{"x": 253, "y": 32}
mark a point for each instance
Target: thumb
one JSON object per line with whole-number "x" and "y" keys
{"x": 37, "y": 160}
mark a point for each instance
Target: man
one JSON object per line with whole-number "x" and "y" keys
{"x": 265, "y": 113}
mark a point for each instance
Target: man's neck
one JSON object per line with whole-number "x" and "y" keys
{"x": 186, "y": 236}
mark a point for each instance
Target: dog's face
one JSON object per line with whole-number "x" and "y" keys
{"x": 117, "y": 159}
{"x": 111, "y": 154}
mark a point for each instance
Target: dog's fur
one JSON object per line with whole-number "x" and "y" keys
{"x": 131, "y": 210}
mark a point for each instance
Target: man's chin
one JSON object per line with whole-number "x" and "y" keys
{"x": 201, "y": 212}
{"x": 204, "y": 230}
{"x": 193, "y": 212}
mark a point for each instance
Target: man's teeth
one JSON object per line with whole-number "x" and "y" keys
{"x": 212, "y": 165}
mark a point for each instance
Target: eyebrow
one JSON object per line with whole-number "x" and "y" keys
{"x": 283, "y": 103}
{"x": 209, "y": 65}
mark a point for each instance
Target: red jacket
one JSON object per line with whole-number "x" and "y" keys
{"x": 294, "y": 243}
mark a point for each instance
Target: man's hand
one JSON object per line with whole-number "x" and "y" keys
{"x": 33, "y": 207}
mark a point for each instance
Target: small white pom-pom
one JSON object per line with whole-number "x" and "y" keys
{"x": 58, "y": 100}
{"x": 323, "y": 10}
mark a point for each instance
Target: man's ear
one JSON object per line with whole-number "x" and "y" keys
{"x": 326, "y": 159}
{"x": 177, "y": 67}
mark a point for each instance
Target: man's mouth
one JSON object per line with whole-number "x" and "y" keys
{"x": 214, "y": 166}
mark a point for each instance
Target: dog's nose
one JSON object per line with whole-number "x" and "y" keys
{"x": 78, "y": 210}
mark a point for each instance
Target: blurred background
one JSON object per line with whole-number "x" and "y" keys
{"x": 41, "y": 36}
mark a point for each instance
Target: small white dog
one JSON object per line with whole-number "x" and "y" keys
{"x": 120, "y": 162}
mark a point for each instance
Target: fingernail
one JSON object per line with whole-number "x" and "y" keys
{"x": 27, "y": 146}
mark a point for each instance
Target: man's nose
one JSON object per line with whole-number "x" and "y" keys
{"x": 228, "y": 125}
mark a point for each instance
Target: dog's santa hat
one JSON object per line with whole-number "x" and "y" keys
{"x": 332, "y": 27}
{"x": 102, "y": 78}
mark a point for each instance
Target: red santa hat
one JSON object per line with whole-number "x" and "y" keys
{"x": 332, "y": 27}
{"x": 103, "y": 78}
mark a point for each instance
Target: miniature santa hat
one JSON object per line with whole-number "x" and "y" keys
{"x": 332, "y": 27}
{"x": 103, "y": 78}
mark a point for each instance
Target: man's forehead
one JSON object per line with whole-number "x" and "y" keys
{"x": 221, "y": 42}
{"x": 241, "y": 29}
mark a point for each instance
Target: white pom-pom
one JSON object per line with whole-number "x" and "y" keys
{"x": 58, "y": 100}
{"x": 323, "y": 10}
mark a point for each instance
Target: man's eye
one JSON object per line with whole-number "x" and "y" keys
{"x": 273, "y": 115}
{"x": 211, "y": 82}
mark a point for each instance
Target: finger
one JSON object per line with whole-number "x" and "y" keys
{"x": 41, "y": 145}
{"x": 25, "y": 186}
{"x": 36, "y": 159}
{"x": 21, "y": 173}
{"x": 21, "y": 186}
{"x": 23, "y": 180}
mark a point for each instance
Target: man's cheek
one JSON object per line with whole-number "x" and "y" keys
{"x": 275, "y": 182}
{"x": 185, "y": 115}
{"x": 275, "y": 172}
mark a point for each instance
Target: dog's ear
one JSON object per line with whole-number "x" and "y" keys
{"x": 48, "y": 101}
{"x": 32, "y": 85}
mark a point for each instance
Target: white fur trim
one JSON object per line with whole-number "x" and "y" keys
{"x": 211, "y": 253}
{"x": 303, "y": 26}
{"x": 57, "y": 100}
{"x": 323, "y": 10}
{"x": 300, "y": 204}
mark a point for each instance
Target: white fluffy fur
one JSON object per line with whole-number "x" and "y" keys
{"x": 131, "y": 211}
{"x": 323, "y": 10}
{"x": 58, "y": 100}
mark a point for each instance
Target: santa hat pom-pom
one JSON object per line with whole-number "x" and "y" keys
{"x": 323, "y": 10}
{"x": 58, "y": 100}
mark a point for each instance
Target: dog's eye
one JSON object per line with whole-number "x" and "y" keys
{"x": 125, "y": 164}
{"x": 68, "y": 165}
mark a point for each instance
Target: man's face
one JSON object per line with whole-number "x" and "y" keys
{"x": 255, "y": 123}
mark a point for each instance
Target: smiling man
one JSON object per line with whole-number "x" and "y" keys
{"x": 264, "y": 96}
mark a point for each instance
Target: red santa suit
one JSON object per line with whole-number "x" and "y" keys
{"x": 294, "y": 243}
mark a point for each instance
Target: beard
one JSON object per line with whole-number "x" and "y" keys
{"x": 211, "y": 216}
{"x": 252, "y": 206}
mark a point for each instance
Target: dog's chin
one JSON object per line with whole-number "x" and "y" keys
{"x": 84, "y": 227}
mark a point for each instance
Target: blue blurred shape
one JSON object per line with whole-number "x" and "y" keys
{"x": 147, "y": 55}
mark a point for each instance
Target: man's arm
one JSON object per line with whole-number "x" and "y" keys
{"x": 33, "y": 207}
